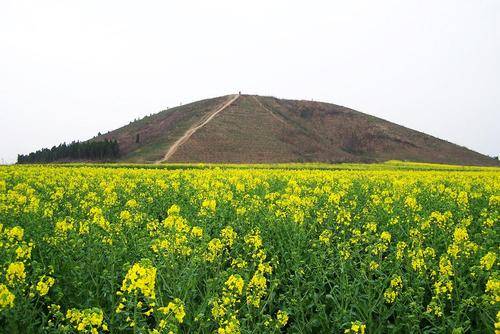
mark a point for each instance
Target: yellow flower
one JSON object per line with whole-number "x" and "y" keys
{"x": 6, "y": 297}
{"x": 256, "y": 289}
{"x": 443, "y": 288}
{"x": 239, "y": 263}
{"x": 282, "y": 317}
{"x": 214, "y": 250}
{"x": 63, "y": 226}
{"x": 131, "y": 203}
{"x": 372, "y": 227}
{"x": 390, "y": 295}
{"x": 460, "y": 234}
{"x": 385, "y": 236}
{"x": 462, "y": 199}
{"x": 44, "y": 285}
{"x": 445, "y": 267}
{"x": 125, "y": 215}
{"x": 174, "y": 210}
{"x": 15, "y": 233}
{"x": 494, "y": 200}
{"x": 208, "y": 206}
{"x": 120, "y": 308}
{"x": 231, "y": 326}
{"x": 228, "y": 236}
{"x": 218, "y": 309}
{"x": 197, "y": 232}
{"x": 400, "y": 248}
{"x": 411, "y": 203}
{"x": 24, "y": 252}
{"x": 374, "y": 265}
{"x": 325, "y": 237}
{"x": 264, "y": 268}
{"x": 175, "y": 307}
{"x": 15, "y": 273}
{"x": 140, "y": 278}
{"x": 488, "y": 260}
{"x": 434, "y": 308}
{"x": 87, "y": 320}
{"x": 493, "y": 288}
{"x": 356, "y": 327}
{"x": 253, "y": 239}
{"x": 235, "y": 284}
{"x": 396, "y": 282}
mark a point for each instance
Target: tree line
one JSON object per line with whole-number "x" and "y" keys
{"x": 90, "y": 150}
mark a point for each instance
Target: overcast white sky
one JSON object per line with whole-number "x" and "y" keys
{"x": 69, "y": 69}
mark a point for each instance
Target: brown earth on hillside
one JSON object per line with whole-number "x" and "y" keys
{"x": 257, "y": 129}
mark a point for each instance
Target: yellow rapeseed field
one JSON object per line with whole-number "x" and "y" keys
{"x": 242, "y": 250}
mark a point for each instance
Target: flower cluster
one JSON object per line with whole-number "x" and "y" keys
{"x": 87, "y": 320}
{"x": 246, "y": 249}
{"x": 224, "y": 308}
{"x": 140, "y": 279}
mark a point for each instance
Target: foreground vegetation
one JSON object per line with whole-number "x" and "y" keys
{"x": 228, "y": 250}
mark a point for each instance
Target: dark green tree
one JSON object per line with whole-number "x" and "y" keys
{"x": 105, "y": 150}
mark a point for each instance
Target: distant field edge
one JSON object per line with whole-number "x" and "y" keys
{"x": 388, "y": 165}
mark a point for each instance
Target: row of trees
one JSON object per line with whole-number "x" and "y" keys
{"x": 94, "y": 150}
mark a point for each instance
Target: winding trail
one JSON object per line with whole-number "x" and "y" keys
{"x": 195, "y": 128}
{"x": 268, "y": 110}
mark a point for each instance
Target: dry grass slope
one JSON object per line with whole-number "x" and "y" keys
{"x": 256, "y": 129}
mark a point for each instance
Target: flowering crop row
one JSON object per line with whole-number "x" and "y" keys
{"x": 96, "y": 250}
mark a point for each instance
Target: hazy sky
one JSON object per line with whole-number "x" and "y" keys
{"x": 69, "y": 69}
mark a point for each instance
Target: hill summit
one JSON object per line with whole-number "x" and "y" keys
{"x": 258, "y": 129}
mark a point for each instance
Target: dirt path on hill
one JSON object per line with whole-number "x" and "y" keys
{"x": 269, "y": 110}
{"x": 195, "y": 128}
